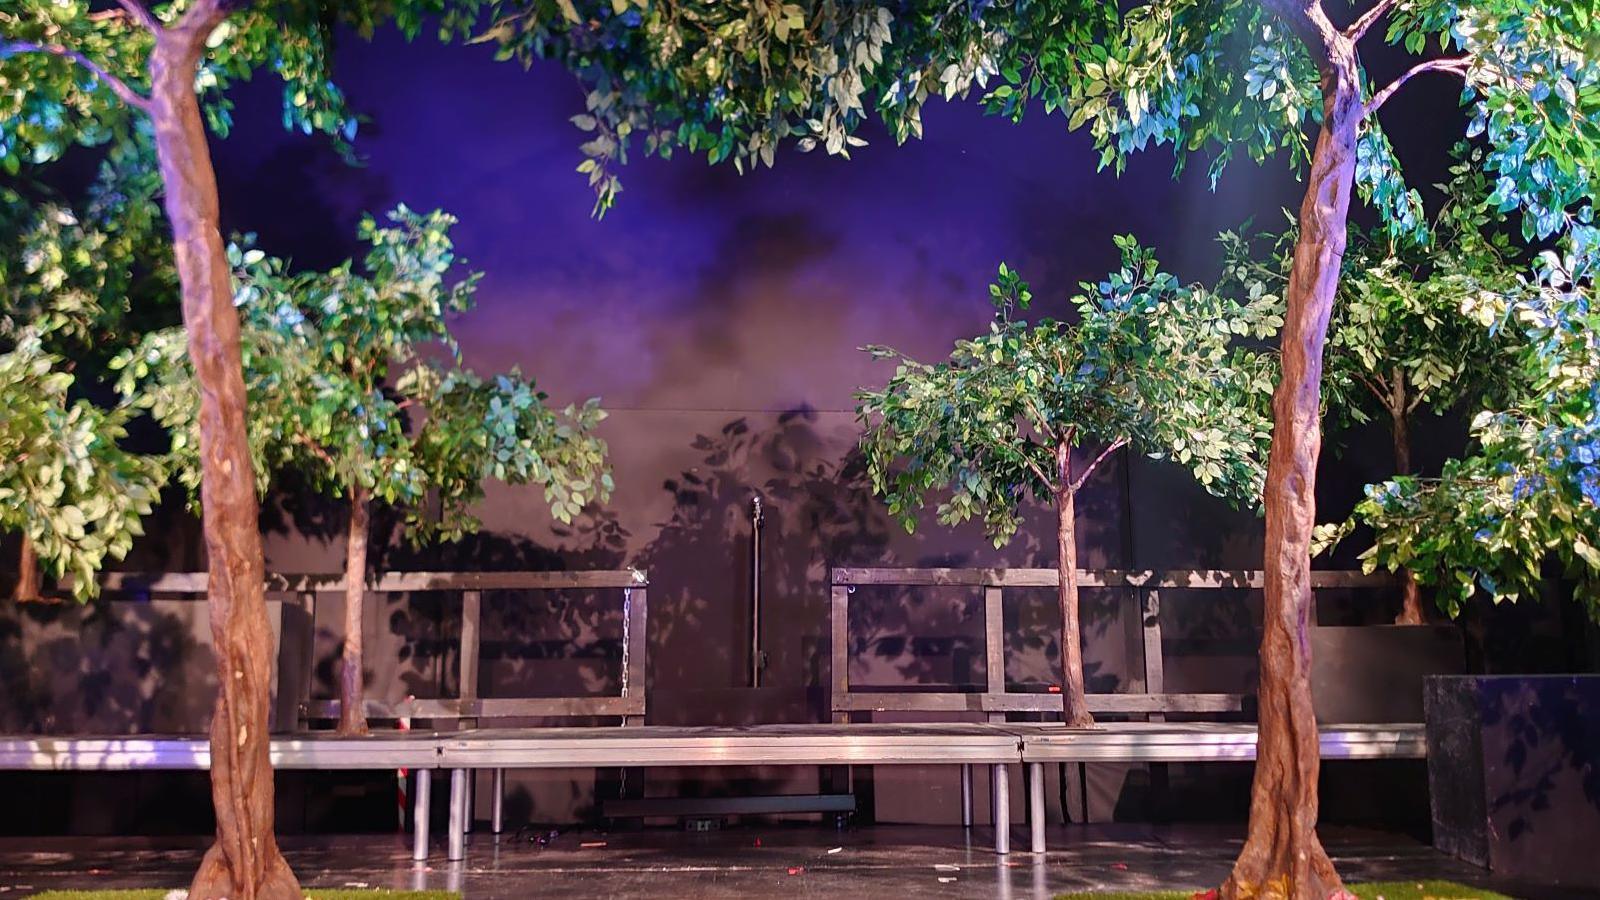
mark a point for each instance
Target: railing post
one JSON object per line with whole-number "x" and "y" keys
{"x": 1036, "y": 806}
{"x": 966, "y": 795}
{"x": 994, "y": 645}
{"x": 420, "y": 815}
{"x": 1000, "y": 787}
{"x": 497, "y": 819}
{"x": 457, "y": 848}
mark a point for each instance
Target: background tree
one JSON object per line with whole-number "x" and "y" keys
{"x": 66, "y": 283}
{"x": 343, "y": 387}
{"x": 1149, "y": 365}
{"x": 1530, "y": 490}
{"x": 67, "y": 487}
{"x": 104, "y": 77}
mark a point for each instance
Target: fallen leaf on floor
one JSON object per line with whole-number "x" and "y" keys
{"x": 946, "y": 880}
{"x": 1120, "y": 867}
{"x": 797, "y": 870}
{"x": 946, "y": 867}
{"x": 590, "y": 845}
{"x": 835, "y": 850}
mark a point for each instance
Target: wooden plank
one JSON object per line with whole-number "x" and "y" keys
{"x": 488, "y": 708}
{"x": 467, "y": 654}
{"x": 1155, "y": 680}
{"x": 635, "y": 644}
{"x": 994, "y": 639}
{"x": 911, "y": 701}
{"x": 296, "y": 660}
{"x": 1250, "y": 579}
{"x": 179, "y": 583}
{"x": 471, "y": 628}
{"x": 994, "y": 645}
{"x": 839, "y": 645}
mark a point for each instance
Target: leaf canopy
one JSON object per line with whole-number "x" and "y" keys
{"x": 354, "y": 379}
{"x": 1150, "y": 363}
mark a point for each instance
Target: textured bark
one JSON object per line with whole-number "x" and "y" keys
{"x": 1282, "y": 855}
{"x": 244, "y": 863}
{"x": 1074, "y": 702}
{"x": 29, "y": 580}
{"x": 1400, "y": 430}
{"x": 352, "y": 685}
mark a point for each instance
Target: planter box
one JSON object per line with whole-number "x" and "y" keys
{"x": 1514, "y": 774}
{"x": 1374, "y": 673}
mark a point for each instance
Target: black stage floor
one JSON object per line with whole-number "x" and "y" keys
{"x": 883, "y": 861}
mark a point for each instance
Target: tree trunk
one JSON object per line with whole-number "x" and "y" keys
{"x": 1074, "y": 702}
{"x": 352, "y": 686}
{"x": 1282, "y": 856}
{"x": 1400, "y": 429}
{"x": 244, "y": 863}
{"x": 29, "y": 581}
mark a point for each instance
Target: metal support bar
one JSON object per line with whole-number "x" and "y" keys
{"x": 1036, "y": 806}
{"x": 966, "y": 795}
{"x": 458, "y": 808}
{"x": 1000, "y": 785}
{"x": 420, "y": 814}
{"x": 497, "y": 819}
{"x": 757, "y": 658}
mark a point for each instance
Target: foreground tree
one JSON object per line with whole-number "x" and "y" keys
{"x": 1399, "y": 344}
{"x": 73, "y": 75}
{"x": 1173, "y": 73}
{"x": 1266, "y": 77}
{"x": 1149, "y": 365}
{"x": 342, "y": 388}
{"x": 1530, "y": 491}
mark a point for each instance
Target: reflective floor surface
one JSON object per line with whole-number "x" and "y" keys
{"x": 746, "y": 861}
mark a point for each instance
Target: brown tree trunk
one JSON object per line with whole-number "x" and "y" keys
{"x": 1074, "y": 700}
{"x": 1282, "y": 855}
{"x": 1400, "y": 429}
{"x": 244, "y": 863}
{"x": 352, "y": 686}
{"x": 29, "y": 579}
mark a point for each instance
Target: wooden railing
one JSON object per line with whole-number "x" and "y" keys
{"x": 300, "y": 592}
{"x": 995, "y": 700}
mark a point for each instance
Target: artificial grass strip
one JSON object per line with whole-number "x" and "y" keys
{"x": 311, "y": 894}
{"x": 1374, "y": 890}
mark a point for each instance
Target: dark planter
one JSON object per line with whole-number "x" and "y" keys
{"x": 1374, "y": 673}
{"x": 1514, "y": 774}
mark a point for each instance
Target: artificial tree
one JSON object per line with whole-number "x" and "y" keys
{"x": 1529, "y": 492}
{"x": 74, "y": 74}
{"x": 345, "y": 385}
{"x": 1149, "y": 364}
{"x": 66, "y": 277}
{"x": 67, "y": 486}
{"x": 1399, "y": 344}
{"x": 1269, "y": 77}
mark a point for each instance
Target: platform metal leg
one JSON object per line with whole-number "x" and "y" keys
{"x": 966, "y": 795}
{"x": 458, "y": 809}
{"x": 1036, "y": 806}
{"x": 469, "y": 801}
{"x": 419, "y": 815}
{"x": 1000, "y": 783}
{"x": 497, "y": 819}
